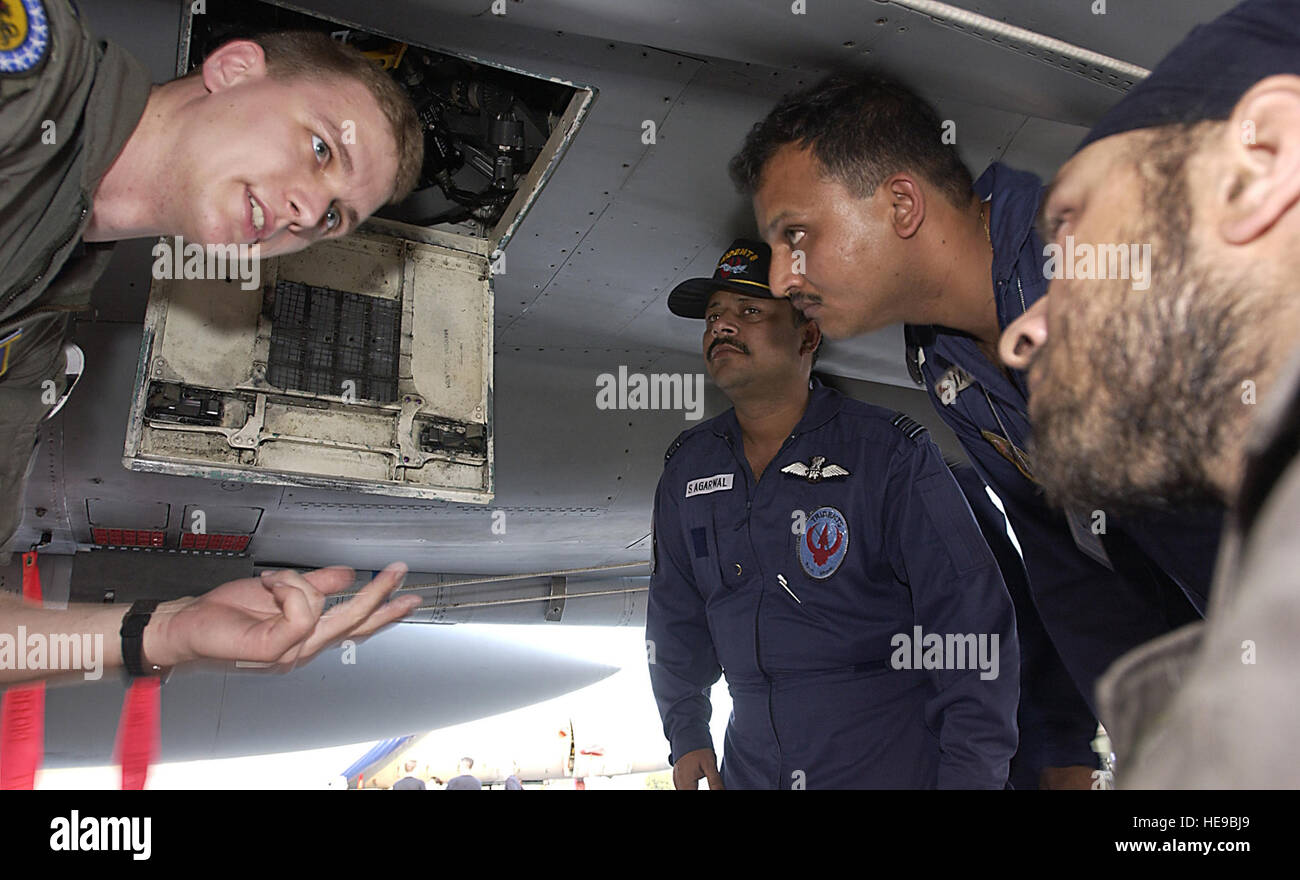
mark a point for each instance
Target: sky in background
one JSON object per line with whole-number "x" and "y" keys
{"x": 618, "y": 715}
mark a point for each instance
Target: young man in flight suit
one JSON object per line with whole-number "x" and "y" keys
{"x": 874, "y": 221}
{"x": 814, "y": 548}
{"x": 245, "y": 150}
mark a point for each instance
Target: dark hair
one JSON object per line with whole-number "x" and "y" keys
{"x": 310, "y": 54}
{"x": 861, "y": 129}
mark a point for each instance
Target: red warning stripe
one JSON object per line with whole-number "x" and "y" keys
{"x": 139, "y": 731}
{"x": 22, "y": 715}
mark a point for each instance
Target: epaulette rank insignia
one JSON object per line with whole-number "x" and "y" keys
{"x": 908, "y": 425}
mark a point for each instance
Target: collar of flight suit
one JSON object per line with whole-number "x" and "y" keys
{"x": 113, "y": 110}
{"x": 1016, "y": 196}
{"x": 117, "y": 103}
{"x": 823, "y": 405}
{"x": 101, "y": 118}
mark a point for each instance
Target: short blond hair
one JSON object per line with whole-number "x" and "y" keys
{"x": 307, "y": 54}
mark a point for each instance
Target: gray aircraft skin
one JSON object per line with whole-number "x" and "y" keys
{"x": 617, "y": 225}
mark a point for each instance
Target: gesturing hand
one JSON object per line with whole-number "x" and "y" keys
{"x": 274, "y": 619}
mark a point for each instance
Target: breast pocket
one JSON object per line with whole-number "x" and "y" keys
{"x": 702, "y": 547}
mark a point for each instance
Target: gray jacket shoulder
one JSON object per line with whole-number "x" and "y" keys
{"x": 1213, "y": 705}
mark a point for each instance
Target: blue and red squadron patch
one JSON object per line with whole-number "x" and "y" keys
{"x": 24, "y": 36}
{"x": 825, "y": 543}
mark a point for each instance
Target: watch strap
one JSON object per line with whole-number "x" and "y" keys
{"x": 132, "y": 632}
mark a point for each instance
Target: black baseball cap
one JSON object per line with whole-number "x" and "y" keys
{"x": 1208, "y": 72}
{"x": 742, "y": 269}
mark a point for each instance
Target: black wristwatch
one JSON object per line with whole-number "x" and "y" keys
{"x": 132, "y": 633}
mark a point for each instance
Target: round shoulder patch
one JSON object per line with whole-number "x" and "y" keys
{"x": 24, "y": 36}
{"x": 825, "y": 542}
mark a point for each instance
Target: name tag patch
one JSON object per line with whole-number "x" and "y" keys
{"x": 705, "y": 485}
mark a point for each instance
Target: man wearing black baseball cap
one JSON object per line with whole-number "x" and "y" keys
{"x": 818, "y": 549}
{"x": 1191, "y": 389}
{"x": 741, "y": 269}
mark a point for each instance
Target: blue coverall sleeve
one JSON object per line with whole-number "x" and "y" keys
{"x": 1094, "y": 615}
{"x": 957, "y": 591}
{"x": 679, "y": 648}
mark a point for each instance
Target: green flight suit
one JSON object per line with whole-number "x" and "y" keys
{"x": 68, "y": 105}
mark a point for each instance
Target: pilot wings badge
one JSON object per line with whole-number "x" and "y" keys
{"x": 815, "y": 470}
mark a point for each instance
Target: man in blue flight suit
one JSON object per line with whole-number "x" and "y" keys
{"x": 875, "y": 221}
{"x": 1049, "y": 715}
{"x": 818, "y": 551}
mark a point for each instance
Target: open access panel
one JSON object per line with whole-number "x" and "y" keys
{"x": 362, "y": 363}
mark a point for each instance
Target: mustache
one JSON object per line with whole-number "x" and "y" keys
{"x": 802, "y": 301}
{"x": 722, "y": 340}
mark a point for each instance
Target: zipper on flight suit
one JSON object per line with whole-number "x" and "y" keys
{"x": 750, "y": 490}
{"x": 49, "y": 260}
